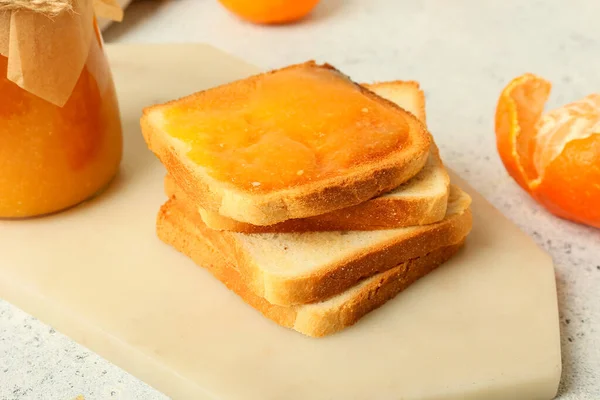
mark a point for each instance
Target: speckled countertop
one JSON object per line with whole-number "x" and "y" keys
{"x": 462, "y": 52}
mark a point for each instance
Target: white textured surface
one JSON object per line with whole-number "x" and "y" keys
{"x": 463, "y": 52}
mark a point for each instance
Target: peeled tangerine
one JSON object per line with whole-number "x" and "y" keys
{"x": 553, "y": 156}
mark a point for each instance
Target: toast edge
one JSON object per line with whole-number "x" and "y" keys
{"x": 375, "y": 214}
{"x": 335, "y": 278}
{"x": 177, "y": 231}
{"x": 343, "y": 273}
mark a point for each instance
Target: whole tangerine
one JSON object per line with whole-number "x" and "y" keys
{"x": 555, "y": 156}
{"x": 270, "y": 11}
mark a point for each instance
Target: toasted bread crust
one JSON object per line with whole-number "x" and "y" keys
{"x": 334, "y": 278}
{"x": 420, "y": 113}
{"x": 360, "y": 184}
{"x": 374, "y": 214}
{"x": 177, "y": 229}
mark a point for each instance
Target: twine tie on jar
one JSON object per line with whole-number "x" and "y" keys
{"x": 50, "y": 8}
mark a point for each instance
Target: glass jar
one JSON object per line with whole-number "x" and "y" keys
{"x": 51, "y": 157}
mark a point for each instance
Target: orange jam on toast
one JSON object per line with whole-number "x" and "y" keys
{"x": 54, "y": 157}
{"x": 286, "y": 128}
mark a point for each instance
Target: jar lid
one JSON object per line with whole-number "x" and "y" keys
{"x": 47, "y": 42}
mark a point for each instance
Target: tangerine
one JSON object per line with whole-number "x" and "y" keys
{"x": 555, "y": 156}
{"x": 270, "y": 11}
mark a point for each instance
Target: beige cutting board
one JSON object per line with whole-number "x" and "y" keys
{"x": 483, "y": 326}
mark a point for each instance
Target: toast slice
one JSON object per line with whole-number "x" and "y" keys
{"x": 292, "y": 143}
{"x": 300, "y": 268}
{"x": 420, "y": 201}
{"x": 180, "y": 230}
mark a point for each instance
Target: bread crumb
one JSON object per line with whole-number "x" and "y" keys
{"x": 300, "y": 172}
{"x": 255, "y": 184}
{"x": 365, "y": 110}
{"x": 221, "y": 145}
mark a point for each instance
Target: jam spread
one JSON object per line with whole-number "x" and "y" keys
{"x": 286, "y": 128}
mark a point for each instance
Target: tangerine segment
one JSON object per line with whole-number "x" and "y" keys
{"x": 286, "y": 128}
{"x": 570, "y": 187}
{"x": 520, "y": 107}
{"x": 556, "y": 128}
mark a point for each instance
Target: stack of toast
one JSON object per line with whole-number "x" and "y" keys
{"x": 313, "y": 198}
